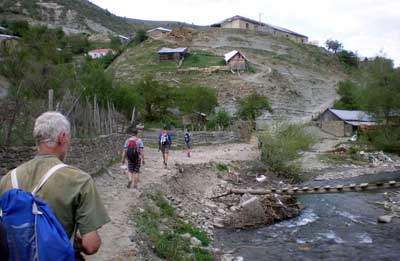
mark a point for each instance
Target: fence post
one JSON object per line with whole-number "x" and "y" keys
{"x": 51, "y": 99}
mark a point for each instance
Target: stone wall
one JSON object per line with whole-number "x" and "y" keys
{"x": 333, "y": 127}
{"x": 91, "y": 155}
{"x": 198, "y": 137}
{"x": 87, "y": 154}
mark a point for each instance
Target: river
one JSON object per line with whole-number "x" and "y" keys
{"x": 341, "y": 226}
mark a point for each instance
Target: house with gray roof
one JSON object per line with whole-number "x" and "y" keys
{"x": 172, "y": 54}
{"x": 241, "y": 22}
{"x": 344, "y": 123}
{"x": 158, "y": 32}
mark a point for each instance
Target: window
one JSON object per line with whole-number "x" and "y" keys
{"x": 247, "y": 26}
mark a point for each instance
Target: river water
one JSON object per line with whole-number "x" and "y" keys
{"x": 340, "y": 226}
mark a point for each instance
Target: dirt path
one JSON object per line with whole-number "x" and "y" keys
{"x": 117, "y": 235}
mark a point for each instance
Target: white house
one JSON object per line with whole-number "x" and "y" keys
{"x": 100, "y": 52}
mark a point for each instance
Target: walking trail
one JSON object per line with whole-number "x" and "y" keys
{"x": 116, "y": 235}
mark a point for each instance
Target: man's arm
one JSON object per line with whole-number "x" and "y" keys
{"x": 141, "y": 151}
{"x": 123, "y": 156}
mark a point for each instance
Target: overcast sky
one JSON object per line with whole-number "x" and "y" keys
{"x": 368, "y": 27}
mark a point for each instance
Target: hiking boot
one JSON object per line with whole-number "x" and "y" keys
{"x": 129, "y": 184}
{"x": 165, "y": 165}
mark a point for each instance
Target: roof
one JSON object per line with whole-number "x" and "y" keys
{"x": 237, "y": 17}
{"x": 123, "y": 37}
{"x": 101, "y": 50}
{"x": 173, "y": 50}
{"x": 160, "y": 29}
{"x": 230, "y": 55}
{"x": 358, "y": 123}
{"x": 351, "y": 116}
{"x": 6, "y": 36}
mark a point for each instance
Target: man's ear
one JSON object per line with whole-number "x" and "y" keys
{"x": 61, "y": 138}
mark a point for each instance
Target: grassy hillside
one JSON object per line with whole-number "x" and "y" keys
{"x": 76, "y": 15}
{"x": 299, "y": 79}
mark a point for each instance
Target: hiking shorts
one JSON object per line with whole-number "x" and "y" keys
{"x": 164, "y": 149}
{"x": 189, "y": 145}
{"x": 134, "y": 167}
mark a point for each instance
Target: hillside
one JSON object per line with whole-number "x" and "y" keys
{"x": 299, "y": 79}
{"x": 73, "y": 15}
{"x": 76, "y": 16}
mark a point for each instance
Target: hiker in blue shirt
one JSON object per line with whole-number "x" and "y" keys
{"x": 164, "y": 143}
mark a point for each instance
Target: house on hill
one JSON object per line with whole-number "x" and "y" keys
{"x": 172, "y": 54}
{"x": 236, "y": 61}
{"x": 100, "y": 52}
{"x": 241, "y": 22}
{"x": 343, "y": 123}
{"x": 158, "y": 32}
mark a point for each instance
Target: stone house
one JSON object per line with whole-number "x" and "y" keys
{"x": 344, "y": 123}
{"x": 241, "y": 22}
{"x": 158, "y": 32}
{"x": 236, "y": 61}
{"x": 172, "y": 54}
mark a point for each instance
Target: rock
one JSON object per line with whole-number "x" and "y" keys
{"x": 218, "y": 223}
{"x": 221, "y": 211}
{"x": 186, "y": 236}
{"x": 238, "y": 258}
{"x": 385, "y": 219}
{"x": 181, "y": 214}
{"x": 226, "y": 257}
{"x": 195, "y": 242}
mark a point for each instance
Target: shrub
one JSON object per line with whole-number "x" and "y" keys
{"x": 219, "y": 120}
{"x": 281, "y": 146}
{"x": 250, "y": 107}
{"x": 385, "y": 138}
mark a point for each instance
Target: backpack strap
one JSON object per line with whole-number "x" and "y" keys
{"x": 14, "y": 179}
{"x": 47, "y": 176}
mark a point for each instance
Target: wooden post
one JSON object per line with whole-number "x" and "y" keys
{"x": 133, "y": 115}
{"x": 51, "y": 99}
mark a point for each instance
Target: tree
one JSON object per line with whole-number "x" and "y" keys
{"x": 349, "y": 58}
{"x": 250, "y": 107}
{"x": 333, "y": 45}
{"x": 349, "y": 96}
{"x": 140, "y": 36}
{"x": 157, "y": 97}
{"x": 196, "y": 99}
{"x": 380, "y": 94}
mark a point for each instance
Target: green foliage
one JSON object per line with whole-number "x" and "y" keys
{"x": 116, "y": 43}
{"x": 140, "y": 36}
{"x": 349, "y": 96}
{"x": 222, "y": 167}
{"x": 202, "y": 59}
{"x": 281, "y": 146}
{"x": 196, "y": 99}
{"x": 380, "y": 94}
{"x": 78, "y": 43}
{"x": 170, "y": 244}
{"x": 348, "y": 58}
{"x": 386, "y": 138}
{"x": 250, "y": 107}
{"x": 157, "y": 97}
{"x": 333, "y": 45}
{"x": 220, "y": 120}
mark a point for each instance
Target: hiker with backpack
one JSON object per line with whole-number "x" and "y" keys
{"x": 188, "y": 141}
{"x": 46, "y": 204}
{"x": 164, "y": 144}
{"x": 134, "y": 152}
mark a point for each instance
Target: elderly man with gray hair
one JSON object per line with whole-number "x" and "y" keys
{"x": 70, "y": 193}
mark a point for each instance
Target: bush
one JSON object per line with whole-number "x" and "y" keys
{"x": 281, "y": 146}
{"x": 384, "y": 138}
{"x": 220, "y": 120}
{"x": 250, "y": 107}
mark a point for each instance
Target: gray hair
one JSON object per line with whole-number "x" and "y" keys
{"x": 48, "y": 126}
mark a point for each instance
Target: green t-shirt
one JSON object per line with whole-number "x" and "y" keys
{"x": 70, "y": 193}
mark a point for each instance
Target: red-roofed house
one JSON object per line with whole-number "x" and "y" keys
{"x": 100, "y": 52}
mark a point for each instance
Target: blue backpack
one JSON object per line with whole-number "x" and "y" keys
{"x": 33, "y": 231}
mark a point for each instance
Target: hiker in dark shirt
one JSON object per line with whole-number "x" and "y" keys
{"x": 164, "y": 142}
